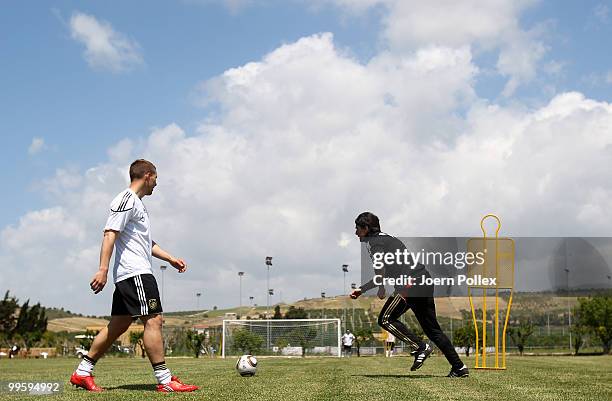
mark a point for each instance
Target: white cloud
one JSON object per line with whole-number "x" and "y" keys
{"x": 37, "y": 145}
{"x": 595, "y": 79}
{"x": 309, "y": 137}
{"x": 482, "y": 25}
{"x": 601, "y": 12}
{"x": 234, "y": 6}
{"x": 519, "y": 61}
{"x": 105, "y": 48}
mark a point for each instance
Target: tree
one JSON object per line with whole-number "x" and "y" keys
{"x": 8, "y": 310}
{"x": 281, "y": 343}
{"x": 305, "y": 337}
{"x": 465, "y": 337}
{"x": 196, "y": 340}
{"x": 578, "y": 332}
{"x": 137, "y": 338}
{"x": 520, "y": 334}
{"x": 247, "y": 342}
{"x": 87, "y": 339}
{"x": 31, "y": 323}
{"x": 277, "y": 313}
{"x": 296, "y": 313}
{"x": 596, "y": 314}
{"x": 362, "y": 335}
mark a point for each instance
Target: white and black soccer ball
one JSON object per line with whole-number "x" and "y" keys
{"x": 246, "y": 365}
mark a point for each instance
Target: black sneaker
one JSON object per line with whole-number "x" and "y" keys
{"x": 420, "y": 356}
{"x": 463, "y": 372}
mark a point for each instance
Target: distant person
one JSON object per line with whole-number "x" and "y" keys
{"x": 419, "y": 298}
{"x": 136, "y": 294}
{"x": 389, "y": 344}
{"x": 347, "y": 343}
{"x": 14, "y": 351}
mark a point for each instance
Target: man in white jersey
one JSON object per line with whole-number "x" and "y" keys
{"x": 136, "y": 295}
{"x": 347, "y": 343}
{"x": 389, "y": 343}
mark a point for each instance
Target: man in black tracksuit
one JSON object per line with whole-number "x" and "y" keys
{"x": 417, "y": 297}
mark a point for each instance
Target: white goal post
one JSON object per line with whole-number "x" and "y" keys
{"x": 282, "y": 337}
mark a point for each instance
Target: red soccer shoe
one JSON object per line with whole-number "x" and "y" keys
{"x": 86, "y": 382}
{"x": 176, "y": 385}
{"x": 176, "y": 379}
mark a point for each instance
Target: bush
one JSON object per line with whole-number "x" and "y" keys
{"x": 247, "y": 342}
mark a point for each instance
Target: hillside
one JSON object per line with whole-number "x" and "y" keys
{"x": 366, "y": 308}
{"x": 57, "y": 313}
{"x": 74, "y": 324}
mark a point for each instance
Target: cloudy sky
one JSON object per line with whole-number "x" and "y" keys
{"x": 274, "y": 123}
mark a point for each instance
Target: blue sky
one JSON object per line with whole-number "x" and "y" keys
{"x": 299, "y": 114}
{"x": 49, "y": 91}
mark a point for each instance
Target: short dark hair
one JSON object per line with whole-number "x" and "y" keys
{"x": 369, "y": 220}
{"x": 140, "y": 167}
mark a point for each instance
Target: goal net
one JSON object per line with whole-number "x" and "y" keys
{"x": 283, "y": 337}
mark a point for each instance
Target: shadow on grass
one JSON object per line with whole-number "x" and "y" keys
{"x": 407, "y": 376}
{"x": 133, "y": 387}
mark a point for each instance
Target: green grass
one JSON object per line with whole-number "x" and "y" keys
{"x": 366, "y": 378}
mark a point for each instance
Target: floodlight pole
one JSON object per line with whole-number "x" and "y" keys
{"x": 323, "y": 297}
{"x": 268, "y": 265}
{"x": 569, "y": 311}
{"x": 163, "y": 269}
{"x": 354, "y": 286}
{"x": 344, "y": 271}
{"x": 240, "y": 274}
{"x": 198, "y": 295}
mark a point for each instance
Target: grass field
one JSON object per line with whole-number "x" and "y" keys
{"x": 366, "y": 378}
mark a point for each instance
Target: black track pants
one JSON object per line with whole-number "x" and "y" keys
{"x": 425, "y": 311}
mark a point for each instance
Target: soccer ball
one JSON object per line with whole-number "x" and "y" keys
{"x": 246, "y": 365}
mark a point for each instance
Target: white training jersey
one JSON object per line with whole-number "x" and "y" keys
{"x": 133, "y": 247}
{"x": 347, "y": 339}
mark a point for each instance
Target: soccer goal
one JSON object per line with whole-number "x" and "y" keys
{"x": 282, "y": 337}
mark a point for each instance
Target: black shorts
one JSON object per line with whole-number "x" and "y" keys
{"x": 347, "y": 347}
{"x": 136, "y": 296}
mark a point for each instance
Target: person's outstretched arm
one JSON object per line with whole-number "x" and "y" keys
{"x": 178, "y": 263}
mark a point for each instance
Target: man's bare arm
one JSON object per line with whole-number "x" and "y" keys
{"x": 178, "y": 263}
{"x": 99, "y": 279}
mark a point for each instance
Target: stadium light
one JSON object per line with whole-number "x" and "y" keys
{"x": 240, "y": 274}
{"x": 569, "y": 310}
{"x": 323, "y": 297}
{"x": 354, "y": 287}
{"x": 251, "y": 299}
{"x": 268, "y": 265}
{"x": 344, "y": 271}
{"x": 163, "y": 269}
{"x": 198, "y": 295}
{"x": 270, "y": 292}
